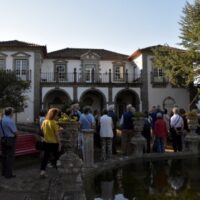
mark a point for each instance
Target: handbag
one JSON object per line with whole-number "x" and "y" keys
{"x": 178, "y": 131}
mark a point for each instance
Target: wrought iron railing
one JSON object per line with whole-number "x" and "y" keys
{"x": 22, "y": 75}
{"x": 93, "y": 77}
{"x": 161, "y": 79}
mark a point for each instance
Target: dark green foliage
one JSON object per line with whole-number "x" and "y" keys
{"x": 12, "y": 91}
{"x": 179, "y": 64}
{"x": 190, "y": 26}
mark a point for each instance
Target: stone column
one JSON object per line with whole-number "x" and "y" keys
{"x": 70, "y": 184}
{"x": 88, "y": 147}
{"x": 138, "y": 141}
{"x": 69, "y": 136}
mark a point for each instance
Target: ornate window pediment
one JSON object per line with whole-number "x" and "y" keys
{"x": 21, "y": 55}
{"x": 90, "y": 56}
{"x": 90, "y": 67}
{"x": 3, "y": 55}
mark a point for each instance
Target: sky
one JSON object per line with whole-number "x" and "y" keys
{"x": 121, "y": 26}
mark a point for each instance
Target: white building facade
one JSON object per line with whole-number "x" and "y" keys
{"x": 156, "y": 89}
{"x": 94, "y": 77}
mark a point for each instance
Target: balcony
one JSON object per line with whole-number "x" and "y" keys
{"x": 158, "y": 80}
{"x": 90, "y": 78}
{"x": 24, "y": 75}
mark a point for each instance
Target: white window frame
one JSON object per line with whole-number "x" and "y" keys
{"x": 88, "y": 72}
{"x": 61, "y": 71}
{"x": 21, "y": 68}
{"x": 119, "y": 73}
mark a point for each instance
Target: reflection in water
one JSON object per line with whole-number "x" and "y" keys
{"x": 107, "y": 182}
{"x": 172, "y": 179}
{"x": 176, "y": 178}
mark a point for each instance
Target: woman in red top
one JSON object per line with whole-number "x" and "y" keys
{"x": 160, "y": 132}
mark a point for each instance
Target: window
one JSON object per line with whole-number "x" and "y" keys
{"x": 88, "y": 72}
{"x": 90, "y": 67}
{"x": 2, "y": 64}
{"x": 119, "y": 73}
{"x": 21, "y": 68}
{"x": 157, "y": 72}
{"x": 158, "y": 76}
{"x": 61, "y": 71}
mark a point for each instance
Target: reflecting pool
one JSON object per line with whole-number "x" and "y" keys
{"x": 148, "y": 180}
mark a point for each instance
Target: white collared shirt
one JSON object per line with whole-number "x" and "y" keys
{"x": 106, "y": 126}
{"x": 176, "y": 121}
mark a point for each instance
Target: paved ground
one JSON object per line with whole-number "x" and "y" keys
{"x": 27, "y": 185}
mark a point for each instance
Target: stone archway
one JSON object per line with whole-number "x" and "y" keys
{"x": 125, "y": 97}
{"x": 93, "y": 98}
{"x": 56, "y": 98}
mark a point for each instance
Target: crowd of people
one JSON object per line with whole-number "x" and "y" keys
{"x": 158, "y": 127}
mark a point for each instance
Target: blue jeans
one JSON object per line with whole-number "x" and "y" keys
{"x": 160, "y": 144}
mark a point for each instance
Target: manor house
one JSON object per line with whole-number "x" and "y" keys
{"x": 94, "y": 77}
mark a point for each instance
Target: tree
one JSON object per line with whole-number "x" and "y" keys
{"x": 178, "y": 64}
{"x": 12, "y": 91}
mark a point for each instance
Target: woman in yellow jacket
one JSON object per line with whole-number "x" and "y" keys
{"x": 52, "y": 144}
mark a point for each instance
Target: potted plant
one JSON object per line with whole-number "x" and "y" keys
{"x": 191, "y": 114}
{"x": 70, "y": 131}
{"x": 192, "y": 119}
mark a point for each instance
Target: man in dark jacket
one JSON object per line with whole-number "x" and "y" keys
{"x": 126, "y": 123}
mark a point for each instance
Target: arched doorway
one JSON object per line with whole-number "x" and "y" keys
{"x": 56, "y": 98}
{"x": 125, "y": 97}
{"x": 93, "y": 98}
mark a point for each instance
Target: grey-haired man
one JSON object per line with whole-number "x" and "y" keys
{"x": 8, "y": 133}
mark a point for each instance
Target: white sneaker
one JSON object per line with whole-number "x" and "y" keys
{"x": 43, "y": 174}
{"x": 58, "y": 163}
{"x": 49, "y": 165}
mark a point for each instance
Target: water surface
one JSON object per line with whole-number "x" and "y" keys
{"x": 148, "y": 180}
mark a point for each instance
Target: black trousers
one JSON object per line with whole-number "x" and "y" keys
{"x": 176, "y": 141}
{"x": 49, "y": 148}
{"x": 8, "y": 155}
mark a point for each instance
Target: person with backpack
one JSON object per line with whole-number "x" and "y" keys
{"x": 177, "y": 126}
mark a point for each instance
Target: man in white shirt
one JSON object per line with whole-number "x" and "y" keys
{"x": 106, "y": 134}
{"x": 177, "y": 126}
